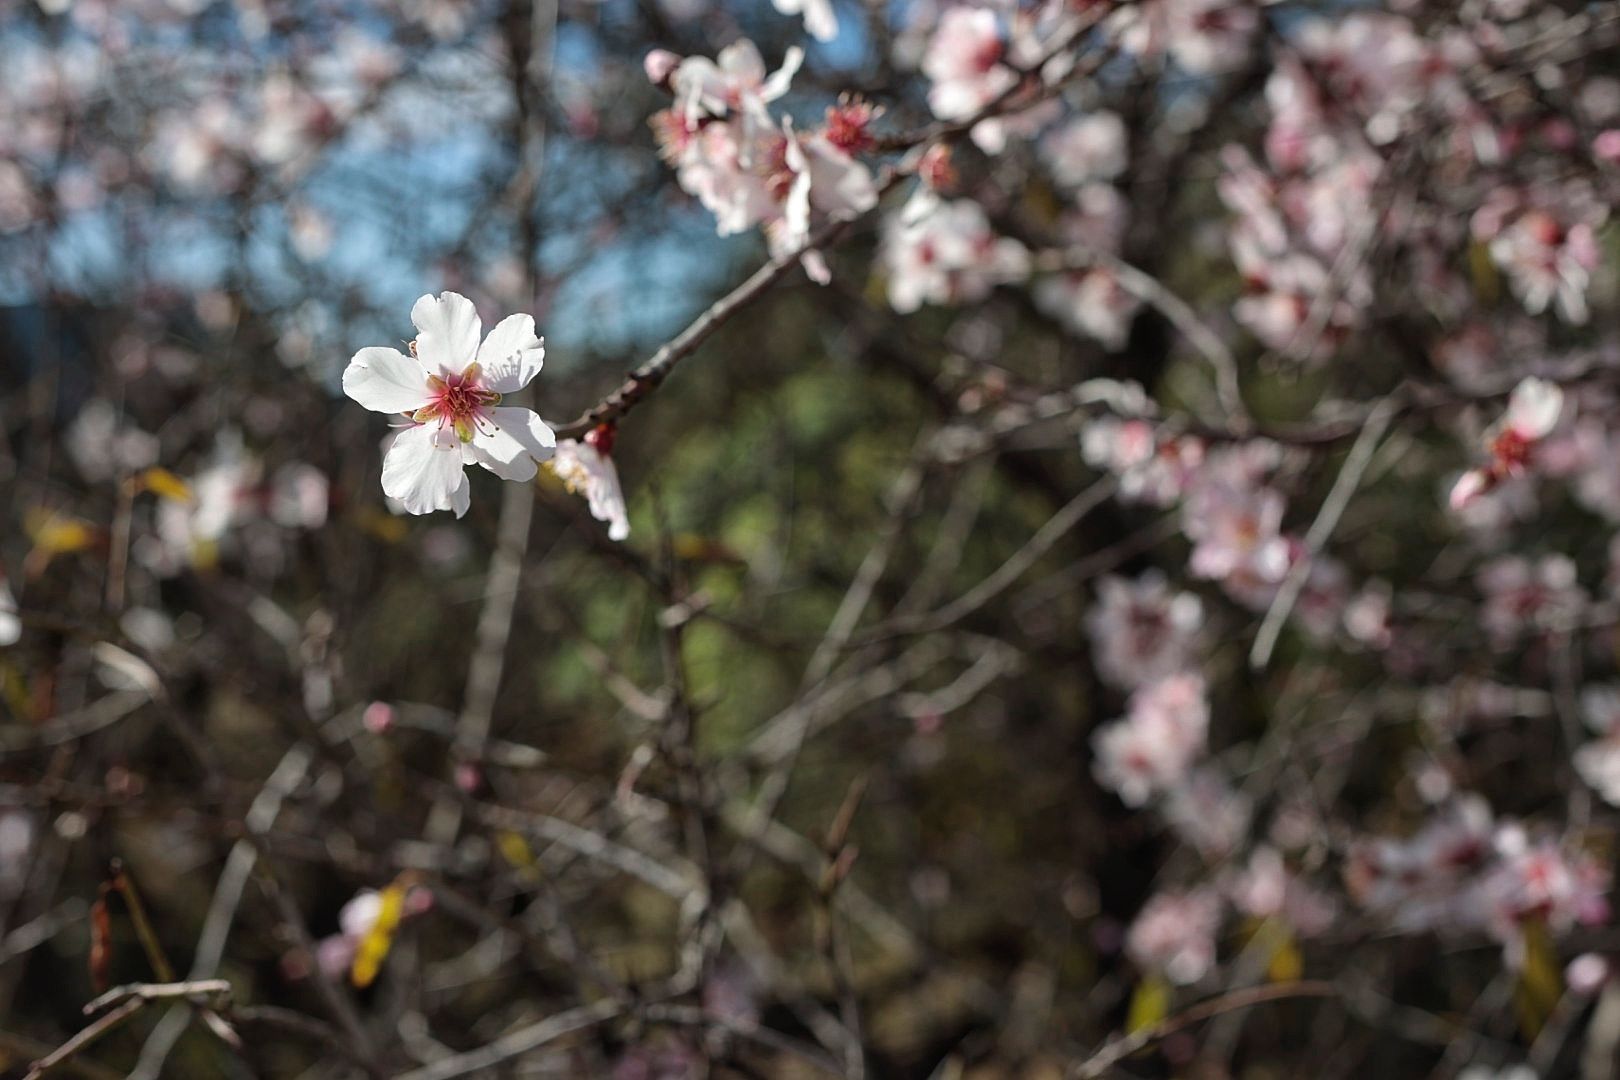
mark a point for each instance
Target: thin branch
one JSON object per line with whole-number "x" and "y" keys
{"x": 1151, "y": 291}
{"x": 1045, "y": 538}
{"x": 87, "y": 1035}
{"x": 1100, "y": 1062}
{"x": 516, "y": 1043}
{"x": 1338, "y": 497}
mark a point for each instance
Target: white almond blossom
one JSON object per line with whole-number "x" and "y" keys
{"x": 449, "y": 391}
{"x": 586, "y": 469}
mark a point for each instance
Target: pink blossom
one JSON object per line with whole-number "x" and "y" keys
{"x": 1142, "y": 631}
{"x": 1091, "y": 302}
{"x": 1538, "y": 879}
{"x": 1151, "y": 470}
{"x": 378, "y": 718}
{"x": 1152, "y": 748}
{"x": 1588, "y": 973}
{"x": 1174, "y": 935}
{"x": 948, "y": 255}
{"x": 1235, "y": 524}
{"x": 1532, "y": 413}
{"x": 1524, "y": 595}
{"x": 964, "y": 62}
{"x": 1267, "y": 889}
{"x": 1091, "y": 147}
{"x": 1205, "y": 811}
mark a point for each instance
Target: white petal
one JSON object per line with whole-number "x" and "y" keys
{"x": 10, "y": 624}
{"x": 607, "y": 501}
{"x": 1534, "y": 407}
{"x": 423, "y": 471}
{"x": 447, "y": 330}
{"x": 386, "y": 380}
{"x": 511, "y": 355}
{"x": 740, "y": 62}
{"x": 782, "y": 77}
{"x": 519, "y": 440}
{"x": 820, "y": 20}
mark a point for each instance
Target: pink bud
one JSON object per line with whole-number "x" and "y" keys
{"x": 1606, "y": 147}
{"x": 469, "y": 778}
{"x": 936, "y": 169}
{"x": 1587, "y": 973}
{"x": 378, "y": 718}
{"x": 660, "y": 66}
{"x": 1470, "y": 486}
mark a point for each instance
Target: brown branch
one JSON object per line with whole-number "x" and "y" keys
{"x": 1100, "y": 1062}
{"x": 84, "y": 1038}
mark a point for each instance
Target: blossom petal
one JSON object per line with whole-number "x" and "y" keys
{"x": 1534, "y": 407}
{"x": 10, "y": 623}
{"x": 447, "y": 331}
{"x": 782, "y": 77}
{"x": 386, "y": 380}
{"x": 422, "y": 469}
{"x": 517, "y": 442}
{"x": 511, "y": 355}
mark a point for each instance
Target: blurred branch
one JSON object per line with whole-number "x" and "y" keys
{"x": 1099, "y": 1063}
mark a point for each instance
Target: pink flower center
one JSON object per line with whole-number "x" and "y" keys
{"x": 459, "y": 401}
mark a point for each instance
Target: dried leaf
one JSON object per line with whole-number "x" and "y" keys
{"x": 385, "y": 527}
{"x": 1541, "y": 983}
{"x": 1287, "y": 962}
{"x": 55, "y": 534}
{"x": 165, "y": 485}
{"x": 1150, "y": 1004}
{"x": 100, "y": 943}
{"x": 516, "y": 851}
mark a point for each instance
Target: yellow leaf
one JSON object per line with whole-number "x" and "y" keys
{"x": 1287, "y": 963}
{"x": 373, "y": 948}
{"x": 205, "y": 554}
{"x": 693, "y": 548}
{"x": 1149, "y": 1004}
{"x": 165, "y": 485}
{"x": 516, "y": 851}
{"x": 385, "y": 527}
{"x": 55, "y": 534}
{"x": 1487, "y": 283}
{"x": 14, "y": 689}
{"x": 1540, "y": 984}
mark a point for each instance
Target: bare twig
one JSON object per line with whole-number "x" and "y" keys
{"x": 1151, "y": 291}
{"x": 1338, "y": 497}
{"x": 516, "y": 1043}
{"x": 1099, "y": 1063}
{"x": 87, "y": 1035}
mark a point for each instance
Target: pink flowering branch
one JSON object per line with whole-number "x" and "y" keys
{"x": 650, "y": 375}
